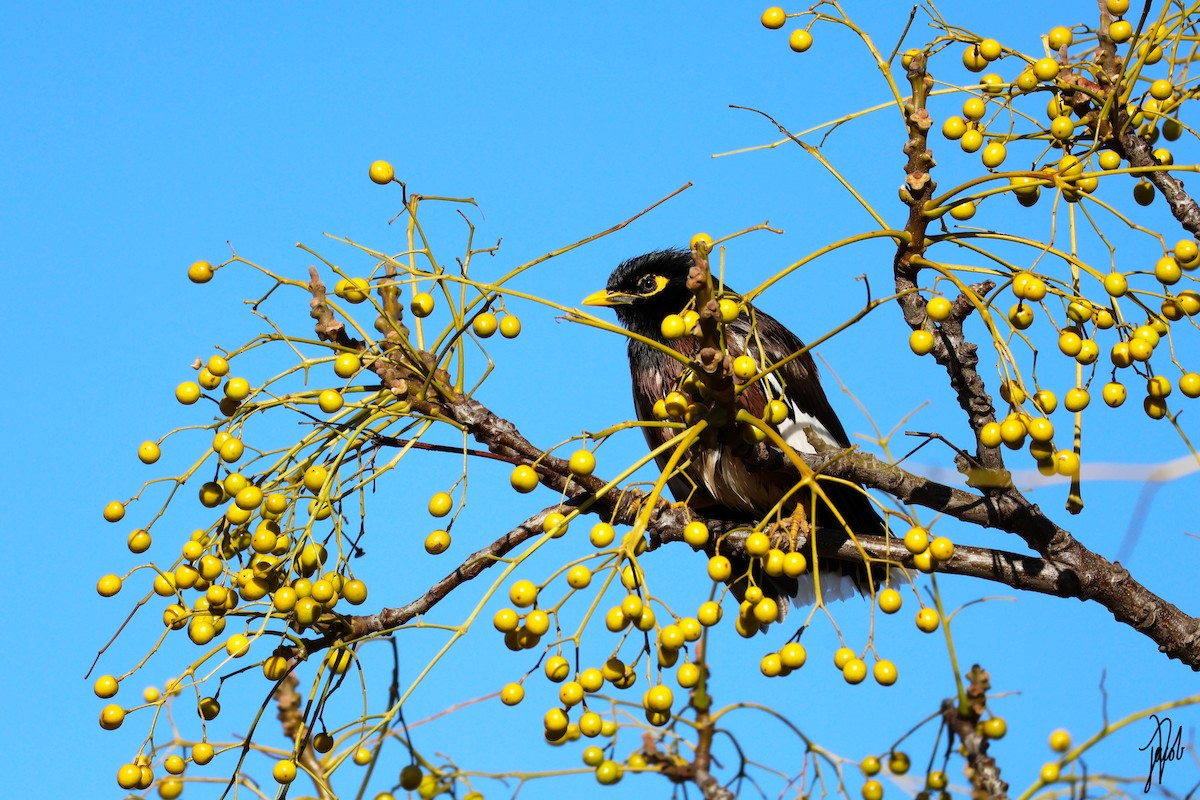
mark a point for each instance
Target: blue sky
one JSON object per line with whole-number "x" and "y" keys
{"x": 143, "y": 137}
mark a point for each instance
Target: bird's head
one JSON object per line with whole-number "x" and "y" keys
{"x": 645, "y": 289}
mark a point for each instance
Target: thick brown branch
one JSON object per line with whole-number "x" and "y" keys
{"x": 1079, "y": 572}
{"x": 1067, "y": 569}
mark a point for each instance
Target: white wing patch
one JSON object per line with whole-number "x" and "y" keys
{"x": 793, "y": 428}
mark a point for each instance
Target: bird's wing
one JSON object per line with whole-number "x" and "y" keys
{"x": 796, "y": 383}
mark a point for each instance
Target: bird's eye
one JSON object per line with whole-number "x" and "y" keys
{"x": 647, "y": 285}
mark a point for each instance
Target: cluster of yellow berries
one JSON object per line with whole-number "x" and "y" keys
{"x": 1137, "y": 342}
{"x": 1060, "y": 742}
{"x": 523, "y": 623}
{"x": 898, "y": 763}
{"x": 799, "y": 39}
{"x": 252, "y": 560}
{"x": 969, "y": 127}
{"x": 927, "y": 552}
{"x": 757, "y": 610}
{"x": 1134, "y": 348}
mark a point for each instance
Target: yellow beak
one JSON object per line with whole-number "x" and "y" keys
{"x": 602, "y": 298}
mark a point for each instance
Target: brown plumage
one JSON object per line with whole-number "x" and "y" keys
{"x": 727, "y": 476}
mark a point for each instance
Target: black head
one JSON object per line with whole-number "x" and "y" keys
{"x": 645, "y": 289}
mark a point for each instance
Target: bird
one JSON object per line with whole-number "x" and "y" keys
{"x": 731, "y": 476}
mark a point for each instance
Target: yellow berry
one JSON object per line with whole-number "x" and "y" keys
{"x": 1070, "y": 343}
{"x": 1059, "y": 37}
{"x": 1046, "y": 69}
{"x": 284, "y": 772}
{"x": 437, "y": 542}
{"x": 1026, "y": 81}
{"x": 523, "y": 593}
{"x": 973, "y": 59}
{"x": 855, "y": 671}
{"x": 1167, "y": 270}
{"x": 202, "y": 753}
{"x": 719, "y": 568}
{"x": 602, "y": 534}
{"x": 579, "y": 577}
{"x": 687, "y": 675}
{"x": 774, "y": 18}
{"x": 381, "y": 172}
{"x": 510, "y": 326}
{"x": 885, "y": 672}
{"x": 963, "y": 211}
{"x": 792, "y": 655}
{"x": 941, "y": 549}
{"x": 695, "y": 534}
{"x": 1066, "y": 462}
{"x": 422, "y": 304}
{"x": 582, "y": 463}
{"x": 938, "y": 309}
{"x": 1120, "y": 31}
{"x": 1062, "y": 128}
{"x": 766, "y": 610}
{"x": 800, "y": 40}
{"x": 346, "y": 365}
{"x": 971, "y": 141}
{"x": 485, "y": 325}
{"x": 555, "y": 523}
{"x": 672, "y": 327}
{"x": 954, "y": 128}
{"x": 928, "y": 620}
{"x": 352, "y": 290}
{"x": 1143, "y": 193}
{"x": 974, "y": 108}
{"x": 992, "y": 83}
{"x": 709, "y": 613}
{"x": 916, "y": 540}
{"x": 1186, "y": 252}
{"x": 1077, "y": 400}
{"x": 994, "y": 155}
{"x": 921, "y": 342}
{"x": 842, "y": 656}
{"x": 794, "y": 564}
{"x": 330, "y": 401}
{"x": 512, "y": 694}
{"x": 1028, "y": 286}
{"x": 989, "y": 435}
{"x": 1021, "y": 316}
{"x": 187, "y": 392}
{"x": 108, "y": 585}
{"x": 524, "y": 479}
{"x": 890, "y": 601}
{"x": 129, "y": 776}
{"x": 1161, "y": 89}
{"x": 1060, "y": 741}
{"x": 1114, "y": 394}
{"x": 757, "y": 544}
